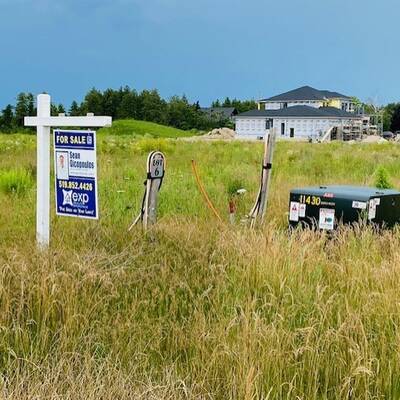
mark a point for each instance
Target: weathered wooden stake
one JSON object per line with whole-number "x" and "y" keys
{"x": 259, "y": 209}
{"x": 155, "y": 176}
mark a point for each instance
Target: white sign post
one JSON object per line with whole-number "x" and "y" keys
{"x": 43, "y": 123}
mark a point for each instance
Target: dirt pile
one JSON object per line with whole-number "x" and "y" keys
{"x": 221, "y": 133}
{"x": 373, "y": 139}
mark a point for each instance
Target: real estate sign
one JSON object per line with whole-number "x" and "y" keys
{"x": 76, "y": 173}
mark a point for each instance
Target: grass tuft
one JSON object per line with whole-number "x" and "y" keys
{"x": 382, "y": 180}
{"x": 15, "y": 181}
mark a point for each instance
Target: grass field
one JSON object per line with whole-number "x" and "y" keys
{"x": 136, "y": 128}
{"x": 196, "y": 310}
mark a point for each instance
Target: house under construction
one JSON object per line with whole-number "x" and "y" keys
{"x": 306, "y": 113}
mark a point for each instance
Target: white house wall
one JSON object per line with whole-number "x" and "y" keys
{"x": 251, "y": 128}
{"x": 304, "y": 127}
{"x": 272, "y": 106}
{"x": 254, "y": 128}
{"x": 279, "y": 105}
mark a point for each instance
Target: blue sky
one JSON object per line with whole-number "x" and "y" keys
{"x": 206, "y": 49}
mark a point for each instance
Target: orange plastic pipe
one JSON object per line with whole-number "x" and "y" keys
{"x": 203, "y": 192}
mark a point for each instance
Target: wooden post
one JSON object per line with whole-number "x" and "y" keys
{"x": 259, "y": 209}
{"x": 151, "y": 216}
{"x": 155, "y": 176}
{"x": 267, "y": 165}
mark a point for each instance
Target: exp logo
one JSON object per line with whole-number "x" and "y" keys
{"x": 74, "y": 199}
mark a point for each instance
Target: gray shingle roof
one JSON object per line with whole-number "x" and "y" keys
{"x": 306, "y": 93}
{"x": 300, "y": 112}
{"x": 220, "y": 112}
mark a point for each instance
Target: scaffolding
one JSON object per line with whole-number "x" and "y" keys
{"x": 351, "y": 130}
{"x": 376, "y": 124}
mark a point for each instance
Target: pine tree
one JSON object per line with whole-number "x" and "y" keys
{"x": 7, "y": 118}
{"x": 74, "y": 109}
{"x": 60, "y": 109}
{"x": 31, "y": 104}
{"x": 93, "y": 102}
{"x": 153, "y": 108}
{"x": 129, "y": 106}
{"x": 21, "y": 109}
{"x": 216, "y": 103}
{"x": 53, "y": 110}
{"x": 227, "y": 102}
{"x": 111, "y": 102}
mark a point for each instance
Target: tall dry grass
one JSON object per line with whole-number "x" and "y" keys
{"x": 242, "y": 314}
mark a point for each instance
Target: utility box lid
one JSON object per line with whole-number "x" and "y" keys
{"x": 345, "y": 192}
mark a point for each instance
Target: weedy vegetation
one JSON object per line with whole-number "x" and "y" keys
{"x": 195, "y": 309}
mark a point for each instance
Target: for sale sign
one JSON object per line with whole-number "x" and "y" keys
{"x": 76, "y": 173}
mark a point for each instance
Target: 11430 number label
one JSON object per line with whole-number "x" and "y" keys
{"x": 311, "y": 200}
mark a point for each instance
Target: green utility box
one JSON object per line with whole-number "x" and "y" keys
{"x": 324, "y": 207}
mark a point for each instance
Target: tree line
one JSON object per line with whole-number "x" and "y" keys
{"x": 391, "y": 117}
{"x": 148, "y": 105}
{"x": 126, "y": 103}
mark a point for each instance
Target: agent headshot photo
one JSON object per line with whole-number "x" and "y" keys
{"x": 62, "y": 165}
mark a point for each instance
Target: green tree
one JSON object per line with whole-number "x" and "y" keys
{"x": 111, "y": 102}
{"x": 129, "y": 105}
{"x": 243, "y": 106}
{"x": 388, "y": 112}
{"x": 395, "y": 122}
{"x": 53, "y": 110}
{"x": 74, "y": 110}
{"x": 181, "y": 114}
{"x": 21, "y": 109}
{"x": 152, "y": 107}
{"x": 227, "y": 102}
{"x": 7, "y": 118}
{"x": 93, "y": 102}
{"x": 31, "y": 104}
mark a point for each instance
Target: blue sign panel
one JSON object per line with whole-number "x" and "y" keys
{"x": 76, "y": 173}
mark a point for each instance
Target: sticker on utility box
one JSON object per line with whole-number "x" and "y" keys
{"x": 294, "y": 211}
{"x": 302, "y": 210}
{"x": 362, "y": 205}
{"x": 326, "y": 218}
{"x": 372, "y": 209}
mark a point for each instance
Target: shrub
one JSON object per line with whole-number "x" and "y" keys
{"x": 15, "y": 181}
{"x": 382, "y": 180}
{"x": 146, "y": 145}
